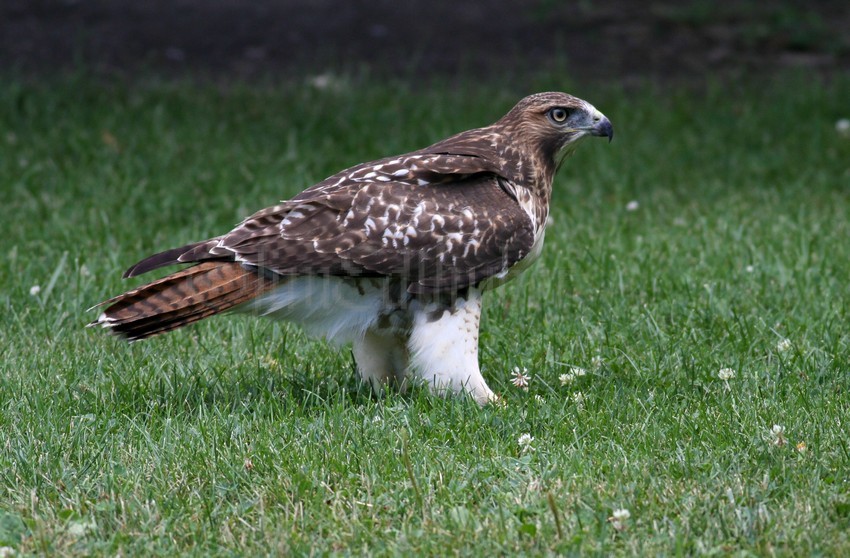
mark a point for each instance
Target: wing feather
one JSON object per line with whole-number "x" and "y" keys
{"x": 447, "y": 236}
{"x": 440, "y": 218}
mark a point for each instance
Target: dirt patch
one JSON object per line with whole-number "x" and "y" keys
{"x": 234, "y": 39}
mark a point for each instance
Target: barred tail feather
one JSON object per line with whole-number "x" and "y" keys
{"x": 181, "y": 298}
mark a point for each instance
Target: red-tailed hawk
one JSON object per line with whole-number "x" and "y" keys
{"x": 391, "y": 255}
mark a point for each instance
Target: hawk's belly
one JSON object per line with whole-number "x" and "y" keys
{"x": 340, "y": 309}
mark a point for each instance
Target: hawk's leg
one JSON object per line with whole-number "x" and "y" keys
{"x": 381, "y": 360}
{"x": 444, "y": 347}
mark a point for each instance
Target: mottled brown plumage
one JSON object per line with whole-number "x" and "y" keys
{"x": 182, "y": 298}
{"x": 433, "y": 227}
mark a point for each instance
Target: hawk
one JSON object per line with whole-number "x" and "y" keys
{"x": 392, "y": 256}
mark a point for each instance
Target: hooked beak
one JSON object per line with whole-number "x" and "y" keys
{"x": 602, "y": 127}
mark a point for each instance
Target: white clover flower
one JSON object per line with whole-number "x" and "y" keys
{"x": 539, "y": 398}
{"x": 525, "y": 442}
{"x": 777, "y": 433}
{"x": 377, "y": 419}
{"x": 619, "y": 518}
{"x": 520, "y": 378}
{"x": 7, "y": 552}
{"x": 321, "y": 81}
{"x": 726, "y": 374}
{"x": 621, "y": 514}
{"x": 326, "y": 82}
{"x": 632, "y": 205}
{"x": 569, "y": 377}
{"x": 783, "y": 345}
{"x": 842, "y": 126}
{"x": 34, "y": 290}
{"x": 578, "y": 399}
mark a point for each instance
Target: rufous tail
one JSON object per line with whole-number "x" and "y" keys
{"x": 181, "y": 298}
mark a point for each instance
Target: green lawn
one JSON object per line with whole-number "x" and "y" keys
{"x": 243, "y": 436}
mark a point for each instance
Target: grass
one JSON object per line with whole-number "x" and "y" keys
{"x": 243, "y": 436}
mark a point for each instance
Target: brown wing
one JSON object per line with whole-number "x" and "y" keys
{"x": 441, "y": 220}
{"x": 439, "y": 237}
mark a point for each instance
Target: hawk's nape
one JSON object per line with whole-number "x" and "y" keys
{"x": 391, "y": 255}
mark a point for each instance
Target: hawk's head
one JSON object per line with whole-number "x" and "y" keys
{"x": 548, "y": 123}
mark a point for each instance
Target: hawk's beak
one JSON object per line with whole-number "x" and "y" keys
{"x": 602, "y": 127}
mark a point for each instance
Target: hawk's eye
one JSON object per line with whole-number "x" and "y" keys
{"x": 559, "y": 115}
